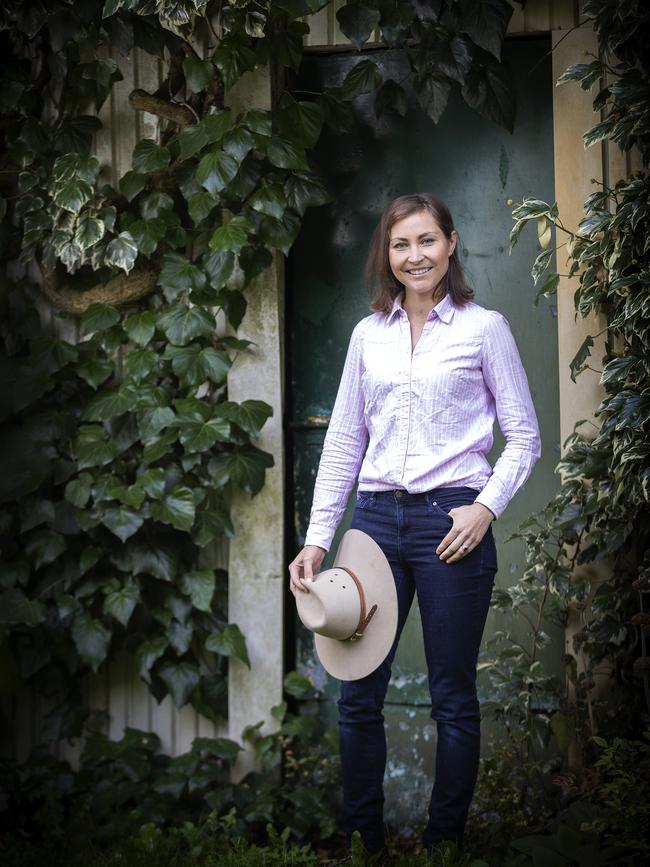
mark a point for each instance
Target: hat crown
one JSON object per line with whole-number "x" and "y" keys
{"x": 332, "y": 607}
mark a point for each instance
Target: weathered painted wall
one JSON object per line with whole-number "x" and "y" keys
{"x": 256, "y": 564}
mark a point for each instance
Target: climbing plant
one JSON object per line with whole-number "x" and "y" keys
{"x": 121, "y": 300}
{"x": 588, "y": 550}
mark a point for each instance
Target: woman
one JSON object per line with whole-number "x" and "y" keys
{"x": 424, "y": 379}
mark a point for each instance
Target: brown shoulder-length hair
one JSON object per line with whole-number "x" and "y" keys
{"x": 382, "y": 284}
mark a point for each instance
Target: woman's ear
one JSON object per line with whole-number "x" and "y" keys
{"x": 453, "y": 241}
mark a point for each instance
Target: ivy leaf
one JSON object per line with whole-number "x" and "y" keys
{"x": 44, "y": 547}
{"x": 76, "y": 133}
{"x": 254, "y": 261}
{"x": 153, "y": 482}
{"x": 233, "y": 58}
{"x": 211, "y": 525}
{"x": 229, "y": 642}
{"x": 91, "y": 639}
{"x": 391, "y": 96}
{"x": 216, "y": 124}
{"x": 200, "y": 206}
{"x": 131, "y": 184}
{"x": 73, "y": 195}
{"x": 149, "y": 156}
{"x": 178, "y": 274}
{"x": 285, "y": 155}
{"x": 199, "y": 585}
{"x": 300, "y": 121}
{"x": 250, "y": 415}
{"x": 297, "y": 685}
{"x": 232, "y": 235}
{"x": 92, "y": 448}
{"x": 486, "y": 22}
{"x": 148, "y": 233}
{"x": 90, "y": 230}
{"x": 180, "y": 678}
{"x": 578, "y": 362}
{"x": 305, "y": 191}
{"x": 154, "y": 560}
{"x": 181, "y": 324}
{"x": 122, "y": 521}
{"x": 280, "y": 234}
{"x": 99, "y": 317}
{"x": 140, "y": 327}
{"x": 259, "y": 121}
{"x": 177, "y": 508}
{"x": 109, "y": 405}
{"x": 17, "y": 608}
{"x": 191, "y": 139}
{"x": 338, "y": 113}
{"x": 234, "y": 306}
{"x": 122, "y": 252}
{"x": 433, "y": 93}
{"x": 95, "y": 371}
{"x": 121, "y": 603}
{"x": 269, "y": 199}
{"x": 238, "y": 142}
{"x": 215, "y": 171}
{"x": 247, "y": 467}
{"x": 357, "y": 22}
{"x": 159, "y": 446}
{"x": 362, "y": 78}
{"x": 147, "y": 653}
{"x": 193, "y": 364}
{"x": 152, "y": 421}
{"x": 487, "y": 89}
{"x": 180, "y": 636}
{"x": 198, "y": 73}
{"x": 198, "y": 436}
{"x": 140, "y": 363}
{"x": 77, "y": 491}
{"x": 156, "y": 204}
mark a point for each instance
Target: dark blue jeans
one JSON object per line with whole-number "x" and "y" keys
{"x": 453, "y": 600}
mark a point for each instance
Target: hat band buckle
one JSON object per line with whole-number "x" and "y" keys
{"x": 364, "y": 619}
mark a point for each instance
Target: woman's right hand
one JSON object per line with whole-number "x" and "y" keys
{"x": 304, "y": 567}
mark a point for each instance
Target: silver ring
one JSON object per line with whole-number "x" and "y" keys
{"x": 465, "y": 547}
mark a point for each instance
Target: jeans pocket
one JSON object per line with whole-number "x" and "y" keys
{"x": 365, "y": 499}
{"x": 439, "y": 511}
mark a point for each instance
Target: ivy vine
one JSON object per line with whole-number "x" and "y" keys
{"x": 601, "y": 511}
{"x": 124, "y": 447}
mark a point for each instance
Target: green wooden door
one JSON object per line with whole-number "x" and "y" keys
{"x": 476, "y": 167}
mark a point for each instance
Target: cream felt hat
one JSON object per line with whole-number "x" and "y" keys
{"x": 352, "y": 608}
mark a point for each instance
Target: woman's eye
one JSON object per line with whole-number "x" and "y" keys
{"x": 428, "y": 240}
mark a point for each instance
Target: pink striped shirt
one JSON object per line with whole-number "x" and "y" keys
{"x": 424, "y": 419}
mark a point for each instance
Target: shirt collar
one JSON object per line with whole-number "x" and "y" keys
{"x": 444, "y": 309}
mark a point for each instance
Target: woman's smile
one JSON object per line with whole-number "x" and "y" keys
{"x": 419, "y": 253}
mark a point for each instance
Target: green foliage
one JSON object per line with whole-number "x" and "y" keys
{"x": 606, "y": 819}
{"x": 122, "y": 788}
{"x": 587, "y": 563}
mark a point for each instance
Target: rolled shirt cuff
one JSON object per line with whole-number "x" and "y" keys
{"x": 318, "y": 534}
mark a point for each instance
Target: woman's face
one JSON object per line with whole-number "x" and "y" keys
{"x": 418, "y": 253}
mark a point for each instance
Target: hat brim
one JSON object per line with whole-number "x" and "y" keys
{"x": 352, "y": 660}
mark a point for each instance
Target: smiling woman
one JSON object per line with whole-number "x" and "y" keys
{"x": 426, "y": 376}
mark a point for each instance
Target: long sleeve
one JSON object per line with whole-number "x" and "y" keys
{"x": 343, "y": 450}
{"x": 505, "y": 377}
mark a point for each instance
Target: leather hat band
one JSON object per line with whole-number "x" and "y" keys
{"x": 364, "y": 619}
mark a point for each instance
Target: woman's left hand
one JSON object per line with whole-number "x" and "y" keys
{"x": 470, "y": 525}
